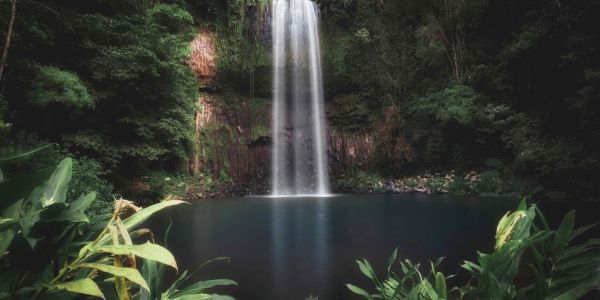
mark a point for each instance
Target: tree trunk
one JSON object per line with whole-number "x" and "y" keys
{"x": 8, "y": 36}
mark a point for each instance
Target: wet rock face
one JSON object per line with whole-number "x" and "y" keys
{"x": 203, "y": 57}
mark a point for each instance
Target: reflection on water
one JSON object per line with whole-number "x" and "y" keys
{"x": 309, "y": 240}
{"x": 290, "y": 248}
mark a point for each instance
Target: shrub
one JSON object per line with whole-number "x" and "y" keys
{"x": 45, "y": 254}
{"x": 549, "y": 263}
{"x": 54, "y": 85}
{"x": 359, "y": 182}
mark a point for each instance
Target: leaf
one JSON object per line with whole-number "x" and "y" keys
{"x": 201, "y": 286}
{"x": 18, "y": 188}
{"x": 55, "y": 190}
{"x": 506, "y": 227}
{"x": 366, "y": 269}
{"x": 218, "y": 297}
{"x": 84, "y": 286}
{"x": 564, "y": 231}
{"x": 83, "y": 202}
{"x": 440, "y": 285}
{"x": 568, "y": 253}
{"x": 142, "y": 215}
{"x": 581, "y": 230}
{"x": 9, "y": 231}
{"x": 193, "y": 297}
{"x": 577, "y": 289}
{"x": 147, "y": 250}
{"x": 359, "y": 291}
{"x": 121, "y": 288}
{"x": 123, "y": 232}
{"x": 391, "y": 260}
{"x": 152, "y": 275}
{"x": 5, "y": 222}
{"x": 522, "y": 205}
{"x": 130, "y": 274}
{"x": 12, "y": 158}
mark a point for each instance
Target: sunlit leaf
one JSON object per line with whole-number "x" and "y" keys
{"x": 440, "y": 285}
{"x": 130, "y": 274}
{"x": 84, "y": 286}
{"x": 147, "y": 250}
{"x": 142, "y": 215}
{"x": 359, "y": 291}
{"x": 55, "y": 190}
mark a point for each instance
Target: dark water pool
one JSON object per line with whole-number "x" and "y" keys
{"x": 293, "y": 247}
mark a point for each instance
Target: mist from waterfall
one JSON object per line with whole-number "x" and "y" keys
{"x": 299, "y": 158}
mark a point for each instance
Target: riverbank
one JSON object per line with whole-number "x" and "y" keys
{"x": 487, "y": 183}
{"x": 191, "y": 188}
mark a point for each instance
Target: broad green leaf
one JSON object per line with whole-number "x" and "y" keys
{"x": 522, "y": 205}
{"x": 83, "y": 202}
{"x": 55, "y": 190}
{"x": 139, "y": 217}
{"x": 359, "y": 291}
{"x": 564, "y": 231}
{"x": 202, "y": 286}
{"x": 147, "y": 250}
{"x": 589, "y": 257}
{"x": 150, "y": 272}
{"x": 14, "y": 157}
{"x": 19, "y": 188}
{"x": 175, "y": 285}
{"x": 191, "y": 297}
{"x": 514, "y": 226}
{"x": 5, "y": 222}
{"x": 130, "y": 274}
{"x": 203, "y": 297}
{"x": 84, "y": 286}
{"x": 1, "y": 176}
{"x": 568, "y": 253}
{"x": 581, "y": 230}
{"x": 577, "y": 289}
{"x": 8, "y": 231}
{"x": 425, "y": 289}
{"x": 219, "y": 297}
{"x": 440, "y": 285}
{"x": 366, "y": 269}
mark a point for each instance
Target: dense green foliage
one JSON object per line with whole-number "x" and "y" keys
{"x": 471, "y": 81}
{"x": 530, "y": 261}
{"x": 51, "y": 249}
{"x": 104, "y": 79}
{"x": 442, "y": 84}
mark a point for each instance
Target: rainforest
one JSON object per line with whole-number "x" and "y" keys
{"x": 299, "y": 149}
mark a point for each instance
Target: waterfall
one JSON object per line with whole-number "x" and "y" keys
{"x": 299, "y": 158}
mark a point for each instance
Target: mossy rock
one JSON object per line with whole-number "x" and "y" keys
{"x": 350, "y": 113}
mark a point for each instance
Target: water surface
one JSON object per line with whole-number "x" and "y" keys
{"x": 290, "y": 248}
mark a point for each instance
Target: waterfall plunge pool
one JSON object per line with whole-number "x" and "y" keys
{"x": 290, "y": 248}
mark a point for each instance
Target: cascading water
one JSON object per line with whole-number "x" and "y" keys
{"x": 299, "y": 158}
